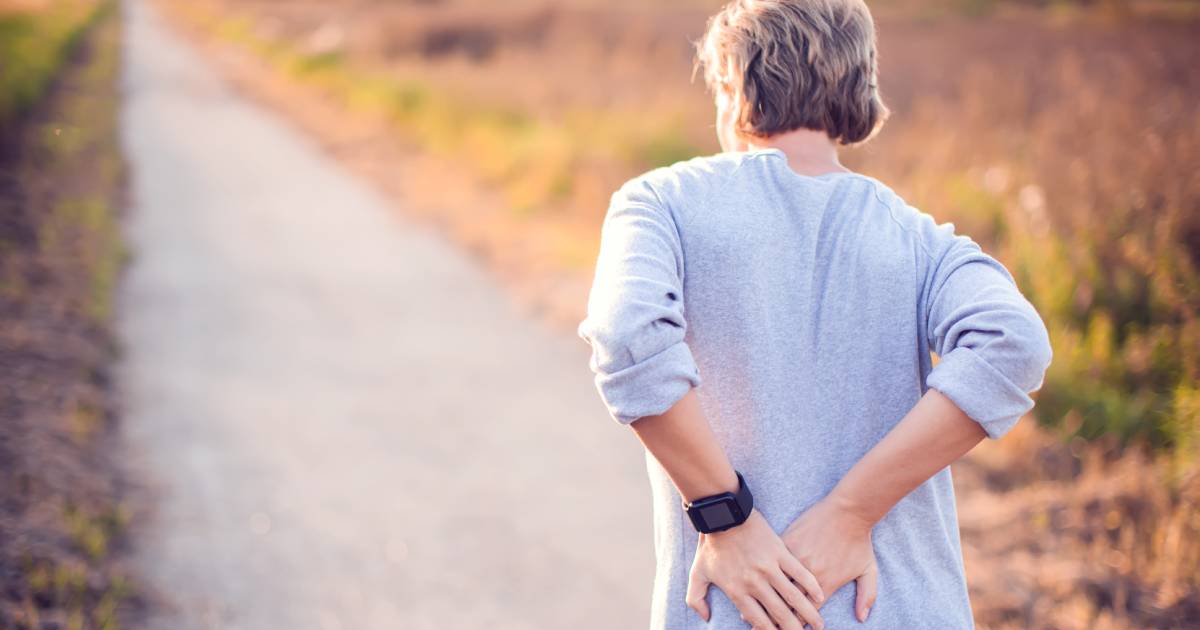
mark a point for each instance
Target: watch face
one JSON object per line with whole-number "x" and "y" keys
{"x": 718, "y": 515}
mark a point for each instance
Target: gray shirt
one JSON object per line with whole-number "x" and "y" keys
{"x": 804, "y": 311}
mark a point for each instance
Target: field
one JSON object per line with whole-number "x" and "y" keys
{"x": 63, "y": 510}
{"x": 1066, "y": 139}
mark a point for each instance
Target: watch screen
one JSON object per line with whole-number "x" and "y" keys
{"x": 716, "y": 516}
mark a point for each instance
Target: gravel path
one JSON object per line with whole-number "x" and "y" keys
{"x": 344, "y": 424}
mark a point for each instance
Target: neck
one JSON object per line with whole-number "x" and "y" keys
{"x": 808, "y": 152}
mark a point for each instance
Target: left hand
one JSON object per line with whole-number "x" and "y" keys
{"x": 751, "y": 565}
{"x": 835, "y": 545}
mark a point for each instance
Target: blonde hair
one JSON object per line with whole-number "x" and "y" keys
{"x": 796, "y": 64}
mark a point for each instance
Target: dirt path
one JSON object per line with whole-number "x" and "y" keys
{"x": 345, "y": 423}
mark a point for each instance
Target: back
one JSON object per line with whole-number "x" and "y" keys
{"x": 804, "y": 309}
{"x": 801, "y": 299}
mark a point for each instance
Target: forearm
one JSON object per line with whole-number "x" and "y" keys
{"x": 934, "y": 434}
{"x": 683, "y": 443}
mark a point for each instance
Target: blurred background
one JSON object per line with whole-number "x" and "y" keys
{"x": 1063, "y": 136}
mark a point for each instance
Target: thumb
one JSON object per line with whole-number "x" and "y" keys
{"x": 697, "y": 591}
{"x": 866, "y": 586}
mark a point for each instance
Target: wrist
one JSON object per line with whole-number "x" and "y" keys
{"x": 727, "y": 482}
{"x": 733, "y": 532}
{"x": 721, "y": 511}
{"x": 849, "y": 512}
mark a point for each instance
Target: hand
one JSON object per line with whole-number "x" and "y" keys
{"x": 835, "y": 544}
{"x": 753, "y": 567}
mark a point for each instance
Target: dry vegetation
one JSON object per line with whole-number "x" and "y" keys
{"x": 62, "y": 522}
{"x": 1066, "y": 139}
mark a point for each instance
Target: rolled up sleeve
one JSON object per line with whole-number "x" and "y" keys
{"x": 635, "y": 320}
{"x": 993, "y": 347}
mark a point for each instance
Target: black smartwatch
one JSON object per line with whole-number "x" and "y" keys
{"x": 721, "y": 511}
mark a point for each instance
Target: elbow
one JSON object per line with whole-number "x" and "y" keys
{"x": 651, "y": 386}
{"x": 627, "y": 338}
{"x": 1015, "y": 343}
{"x": 991, "y": 371}
{"x": 1033, "y": 353}
{"x": 611, "y": 343}
{"x": 639, "y": 372}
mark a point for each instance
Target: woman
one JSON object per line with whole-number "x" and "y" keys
{"x": 810, "y": 471}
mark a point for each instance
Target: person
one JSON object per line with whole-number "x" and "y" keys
{"x": 764, "y": 319}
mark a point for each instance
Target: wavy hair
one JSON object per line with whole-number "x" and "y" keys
{"x": 796, "y": 64}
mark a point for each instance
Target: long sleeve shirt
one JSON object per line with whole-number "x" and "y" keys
{"x": 804, "y": 310}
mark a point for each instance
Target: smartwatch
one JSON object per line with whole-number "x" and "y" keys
{"x": 721, "y": 511}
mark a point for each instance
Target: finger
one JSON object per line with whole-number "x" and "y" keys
{"x": 775, "y": 606}
{"x": 697, "y": 590}
{"x": 798, "y": 601}
{"x": 805, "y": 578}
{"x": 867, "y": 586}
{"x": 752, "y": 612}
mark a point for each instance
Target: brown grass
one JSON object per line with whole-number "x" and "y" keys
{"x": 1078, "y": 536}
{"x": 62, "y": 520}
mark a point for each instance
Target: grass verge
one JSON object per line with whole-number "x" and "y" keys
{"x": 63, "y": 516}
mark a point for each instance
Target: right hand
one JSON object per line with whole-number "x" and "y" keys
{"x": 835, "y": 544}
{"x": 753, "y": 567}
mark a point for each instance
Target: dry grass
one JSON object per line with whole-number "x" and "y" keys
{"x": 35, "y": 36}
{"x": 1078, "y": 536}
{"x": 1067, "y": 140}
{"x": 62, "y": 523}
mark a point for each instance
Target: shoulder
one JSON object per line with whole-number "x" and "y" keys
{"x": 944, "y": 248}
{"x": 934, "y": 239}
{"x": 675, "y": 189}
